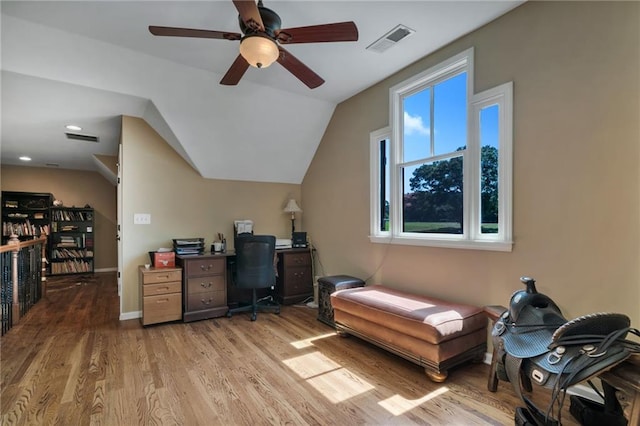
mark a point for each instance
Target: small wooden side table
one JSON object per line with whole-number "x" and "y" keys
{"x": 493, "y": 312}
{"x": 625, "y": 377}
{"x": 326, "y": 286}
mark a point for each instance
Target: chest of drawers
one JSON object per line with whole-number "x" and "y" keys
{"x": 204, "y": 285}
{"x": 161, "y": 294}
{"x": 294, "y": 283}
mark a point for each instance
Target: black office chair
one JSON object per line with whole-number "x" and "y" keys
{"x": 255, "y": 270}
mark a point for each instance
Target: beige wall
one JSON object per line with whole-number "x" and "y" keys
{"x": 182, "y": 204}
{"x": 576, "y": 73}
{"x": 74, "y": 188}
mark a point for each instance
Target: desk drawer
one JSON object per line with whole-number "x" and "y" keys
{"x": 206, "y": 300}
{"x": 161, "y": 288}
{"x": 298, "y": 281}
{"x": 151, "y": 277}
{"x": 205, "y": 284}
{"x": 199, "y": 267}
{"x": 297, "y": 259}
{"x": 162, "y": 308}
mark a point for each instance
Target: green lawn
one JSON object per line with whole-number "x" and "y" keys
{"x": 445, "y": 227}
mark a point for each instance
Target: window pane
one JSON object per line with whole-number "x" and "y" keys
{"x": 416, "y": 125}
{"x": 384, "y": 185}
{"x": 489, "y": 169}
{"x": 450, "y": 115}
{"x": 433, "y": 197}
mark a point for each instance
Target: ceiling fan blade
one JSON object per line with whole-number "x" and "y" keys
{"x": 341, "y": 31}
{"x": 190, "y": 32}
{"x": 249, "y": 14}
{"x": 300, "y": 70}
{"x": 235, "y": 72}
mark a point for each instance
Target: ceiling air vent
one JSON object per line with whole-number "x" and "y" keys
{"x": 390, "y": 38}
{"x": 81, "y": 137}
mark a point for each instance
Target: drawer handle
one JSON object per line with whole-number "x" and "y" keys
{"x": 162, "y": 288}
{"x": 298, "y": 274}
{"x": 206, "y": 268}
{"x": 206, "y": 285}
{"x": 166, "y": 277}
{"x": 205, "y": 302}
{"x": 162, "y": 301}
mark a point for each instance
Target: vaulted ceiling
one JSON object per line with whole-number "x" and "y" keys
{"x": 87, "y": 63}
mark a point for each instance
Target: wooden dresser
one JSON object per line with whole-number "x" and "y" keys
{"x": 204, "y": 286}
{"x": 294, "y": 283}
{"x": 161, "y": 294}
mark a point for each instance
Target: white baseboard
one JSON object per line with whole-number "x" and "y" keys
{"x": 130, "y": 315}
{"x": 112, "y": 269}
{"x": 579, "y": 389}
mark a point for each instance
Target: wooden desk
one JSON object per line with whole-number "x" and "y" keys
{"x": 625, "y": 377}
{"x": 208, "y": 289}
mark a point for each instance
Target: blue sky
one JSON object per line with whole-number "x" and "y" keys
{"x": 450, "y": 130}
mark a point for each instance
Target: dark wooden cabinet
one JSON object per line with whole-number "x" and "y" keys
{"x": 204, "y": 286}
{"x": 295, "y": 282}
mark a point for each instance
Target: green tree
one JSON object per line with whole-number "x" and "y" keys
{"x": 489, "y": 184}
{"x": 437, "y": 190}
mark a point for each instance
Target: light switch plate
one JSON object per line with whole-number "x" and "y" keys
{"x": 142, "y": 219}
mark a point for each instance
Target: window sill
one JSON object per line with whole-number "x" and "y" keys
{"x": 505, "y": 246}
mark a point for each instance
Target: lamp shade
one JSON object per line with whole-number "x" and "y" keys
{"x": 259, "y": 51}
{"x": 292, "y": 207}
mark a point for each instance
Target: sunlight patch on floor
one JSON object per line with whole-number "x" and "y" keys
{"x": 305, "y": 343}
{"x": 333, "y": 381}
{"x": 398, "y": 405}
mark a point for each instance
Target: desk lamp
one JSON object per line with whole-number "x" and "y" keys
{"x": 292, "y": 207}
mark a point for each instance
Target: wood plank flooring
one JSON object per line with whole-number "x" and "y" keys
{"x": 70, "y": 361}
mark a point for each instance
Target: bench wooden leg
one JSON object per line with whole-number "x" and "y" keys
{"x": 435, "y": 376}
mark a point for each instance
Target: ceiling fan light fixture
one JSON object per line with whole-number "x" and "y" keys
{"x": 258, "y": 50}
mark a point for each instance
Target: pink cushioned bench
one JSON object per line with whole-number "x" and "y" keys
{"x": 433, "y": 333}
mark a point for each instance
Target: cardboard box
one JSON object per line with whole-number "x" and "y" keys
{"x": 163, "y": 259}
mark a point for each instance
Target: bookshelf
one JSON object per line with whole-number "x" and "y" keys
{"x": 25, "y": 214}
{"x": 71, "y": 241}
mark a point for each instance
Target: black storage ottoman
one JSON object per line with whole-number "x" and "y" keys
{"x": 326, "y": 286}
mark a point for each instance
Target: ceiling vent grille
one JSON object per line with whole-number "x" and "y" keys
{"x": 81, "y": 137}
{"x": 391, "y": 38}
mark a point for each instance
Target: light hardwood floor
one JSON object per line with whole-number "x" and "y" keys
{"x": 70, "y": 361}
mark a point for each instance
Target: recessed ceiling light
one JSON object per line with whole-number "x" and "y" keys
{"x": 73, "y": 127}
{"x": 24, "y": 158}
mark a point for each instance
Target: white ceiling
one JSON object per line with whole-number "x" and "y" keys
{"x": 87, "y": 62}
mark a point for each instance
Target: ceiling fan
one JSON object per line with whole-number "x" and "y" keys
{"x": 261, "y": 40}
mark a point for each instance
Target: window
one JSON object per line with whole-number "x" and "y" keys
{"x": 441, "y": 173}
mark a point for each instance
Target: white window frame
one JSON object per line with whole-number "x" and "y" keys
{"x": 472, "y": 237}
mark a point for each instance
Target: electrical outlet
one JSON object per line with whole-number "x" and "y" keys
{"x": 142, "y": 219}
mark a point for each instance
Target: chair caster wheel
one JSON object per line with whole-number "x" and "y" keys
{"x": 253, "y": 317}
{"x": 229, "y": 314}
